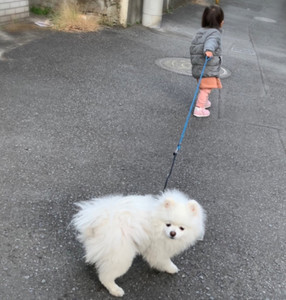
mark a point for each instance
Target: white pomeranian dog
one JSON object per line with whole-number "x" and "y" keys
{"x": 115, "y": 228}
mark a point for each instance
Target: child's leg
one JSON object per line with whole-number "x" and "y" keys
{"x": 202, "y": 102}
{"x": 203, "y": 98}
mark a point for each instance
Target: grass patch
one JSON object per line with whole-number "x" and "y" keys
{"x": 69, "y": 18}
{"x": 41, "y": 11}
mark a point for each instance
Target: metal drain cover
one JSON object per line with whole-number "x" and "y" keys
{"x": 183, "y": 66}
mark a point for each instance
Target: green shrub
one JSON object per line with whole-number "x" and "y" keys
{"x": 42, "y": 11}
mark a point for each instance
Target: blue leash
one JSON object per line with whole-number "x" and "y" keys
{"x": 186, "y": 123}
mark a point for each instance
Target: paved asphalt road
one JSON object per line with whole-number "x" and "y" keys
{"x": 84, "y": 115}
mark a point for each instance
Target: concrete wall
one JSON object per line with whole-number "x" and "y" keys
{"x": 43, "y": 3}
{"x": 135, "y": 9}
{"x": 107, "y": 8}
{"x": 13, "y": 9}
{"x": 170, "y": 4}
{"x": 99, "y": 6}
{"x": 126, "y": 12}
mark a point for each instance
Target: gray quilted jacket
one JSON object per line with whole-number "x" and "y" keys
{"x": 206, "y": 39}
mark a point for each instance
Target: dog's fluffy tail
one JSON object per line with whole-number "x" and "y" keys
{"x": 104, "y": 224}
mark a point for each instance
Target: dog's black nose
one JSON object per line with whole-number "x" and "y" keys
{"x": 173, "y": 234}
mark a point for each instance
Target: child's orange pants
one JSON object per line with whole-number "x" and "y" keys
{"x": 203, "y": 97}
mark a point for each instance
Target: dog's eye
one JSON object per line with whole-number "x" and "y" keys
{"x": 182, "y": 228}
{"x": 168, "y": 225}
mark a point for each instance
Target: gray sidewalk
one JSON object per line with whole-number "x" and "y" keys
{"x": 84, "y": 115}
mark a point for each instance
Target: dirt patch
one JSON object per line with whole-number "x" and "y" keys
{"x": 19, "y": 27}
{"x": 27, "y": 25}
{"x": 82, "y": 23}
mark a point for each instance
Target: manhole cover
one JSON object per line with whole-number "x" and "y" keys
{"x": 183, "y": 66}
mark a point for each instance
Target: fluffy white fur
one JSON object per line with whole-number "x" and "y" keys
{"x": 114, "y": 229}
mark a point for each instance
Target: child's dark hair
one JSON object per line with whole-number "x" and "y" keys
{"x": 212, "y": 17}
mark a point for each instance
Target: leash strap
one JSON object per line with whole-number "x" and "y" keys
{"x": 186, "y": 123}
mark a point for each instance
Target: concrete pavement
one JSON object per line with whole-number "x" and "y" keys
{"x": 84, "y": 115}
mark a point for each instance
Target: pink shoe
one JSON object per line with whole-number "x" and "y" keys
{"x": 208, "y": 105}
{"x": 201, "y": 112}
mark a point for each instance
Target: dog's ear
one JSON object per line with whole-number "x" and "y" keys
{"x": 168, "y": 202}
{"x": 194, "y": 207}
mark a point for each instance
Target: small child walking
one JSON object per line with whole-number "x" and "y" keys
{"x": 207, "y": 42}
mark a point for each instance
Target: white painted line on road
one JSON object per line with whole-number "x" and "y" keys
{"x": 265, "y": 19}
{"x": 6, "y": 37}
{"x": 1, "y": 53}
{"x": 248, "y": 51}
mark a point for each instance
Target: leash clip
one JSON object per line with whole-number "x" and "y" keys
{"x": 177, "y": 150}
